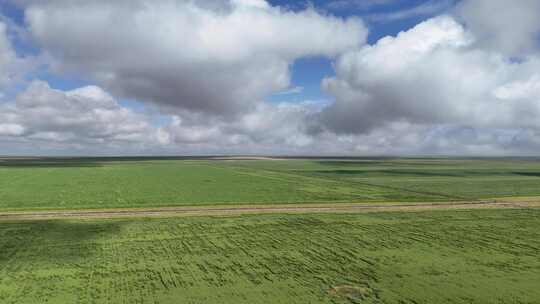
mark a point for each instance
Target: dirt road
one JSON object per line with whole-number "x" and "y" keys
{"x": 250, "y": 209}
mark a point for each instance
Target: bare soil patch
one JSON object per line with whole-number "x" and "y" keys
{"x": 353, "y": 293}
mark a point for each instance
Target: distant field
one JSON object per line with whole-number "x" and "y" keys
{"x": 109, "y": 183}
{"x": 482, "y": 256}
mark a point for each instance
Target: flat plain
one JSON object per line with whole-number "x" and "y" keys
{"x": 408, "y": 256}
{"x": 473, "y": 256}
{"x": 79, "y": 183}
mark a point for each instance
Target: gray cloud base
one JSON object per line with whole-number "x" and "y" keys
{"x": 214, "y": 59}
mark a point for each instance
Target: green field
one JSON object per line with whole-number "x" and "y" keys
{"x": 109, "y": 183}
{"x": 468, "y": 256}
{"x": 482, "y": 256}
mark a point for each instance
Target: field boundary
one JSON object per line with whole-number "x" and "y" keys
{"x": 274, "y": 208}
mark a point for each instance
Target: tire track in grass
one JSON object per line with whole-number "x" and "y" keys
{"x": 454, "y": 197}
{"x": 292, "y": 178}
{"x": 340, "y": 182}
{"x": 254, "y": 209}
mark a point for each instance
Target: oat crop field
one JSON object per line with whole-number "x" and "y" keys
{"x": 79, "y": 183}
{"x": 470, "y": 256}
{"x": 434, "y": 255}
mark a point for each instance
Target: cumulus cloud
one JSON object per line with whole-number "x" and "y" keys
{"x": 510, "y": 27}
{"x": 219, "y": 58}
{"x": 450, "y": 85}
{"x": 79, "y": 117}
{"x": 8, "y": 59}
{"x": 51, "y": 121}
{"x": 432, "y": 75}
{"x": 271, "y": 127}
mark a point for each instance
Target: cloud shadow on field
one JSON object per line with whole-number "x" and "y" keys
{"x": 55, "y": 241}
{"x": 48, "y": 163}
{"x": 68, "y": 162}
{"x": 530, "y": 174}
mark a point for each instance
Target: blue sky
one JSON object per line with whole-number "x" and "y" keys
{"x": 308, "y": 72}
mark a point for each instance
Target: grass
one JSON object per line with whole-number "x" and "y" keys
{"x": 146, "y": 182}
{"x": 481, "y": 256}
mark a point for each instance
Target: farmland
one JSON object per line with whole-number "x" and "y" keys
{"x": 79, "y": 183}
{"x": 473, "y": 256}
{"x": 312, "y": 244}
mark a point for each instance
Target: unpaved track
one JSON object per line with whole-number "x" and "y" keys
{"x": 254, "y": 209}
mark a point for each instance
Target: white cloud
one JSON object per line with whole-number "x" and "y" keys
{"x": 429, "y": 8}
{"x": 268, "y": 127}
{"x": 215, "y": 59}
{"x": 289, "y": 91}
{"x": 11, "y": 129}
{"x": 83, "y": 116}
{"x": 89, "y": 120}
{"x": 262, "y": 4}
{"x": 13, "y": 68}
{"x": 8, "y": 59}
{"x": 430, "y": 75}
{"x": 520, "y": 89}
{"x": 510, "y": 27}
{"x": 359, "y": 4}
{"x": 446, "y": 86}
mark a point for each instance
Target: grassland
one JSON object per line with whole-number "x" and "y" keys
{"x": 123, "y": 183}
{"x": 481, "y": 256}
{"x": 466, "y": 256}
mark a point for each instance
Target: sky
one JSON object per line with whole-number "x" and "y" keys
{"x": 276, "y": 77}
